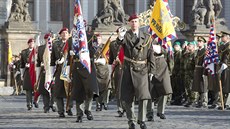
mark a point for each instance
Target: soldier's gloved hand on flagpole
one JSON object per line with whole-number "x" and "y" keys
{"x": 121, "y": 33}
{"x": 60, "y": 61}
{"x": 67, "y": 73}
{"x": 150, "y": 76}
{"x": 71, "y": 52}
{"x": 27, "y": 65}
{"x": 22, "y": 70}
{"x": 100, "y": 61}
{"x": 38, "y": 69}
{"x": 157, "y": 48}
{"x": 222, "y": 68}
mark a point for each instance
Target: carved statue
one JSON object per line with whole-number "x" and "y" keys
{"x": 198, "y": 12}
{"x": 119, "y": 13}
{"x": 214, "y": 8}
{"x": 19, "y": 11}
{"x": 106, "y": 15}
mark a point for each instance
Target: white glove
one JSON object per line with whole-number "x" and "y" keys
{"x": 100, "y": 61}
{"x": 67, "y": 72}
{"x": 71, "y": 53}
{"x": 60, "y": 61}
{"x": 121, "y": 33}
{"x": 27, "y": 65}
{"x": 222, "y": 68}
{"x": 150, "y": 76}
{"x": 14, "y": 66}
{"x": 157, "y": 49}
{"x": 22, "y": 70}
{"x": 16, "y": 74}
{"x": 52, "y": 69}
{"x": 38, "y": 69}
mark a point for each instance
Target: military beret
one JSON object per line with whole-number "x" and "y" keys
{"x": 63, "y": 29}
{"x": 223, "y": 33}
{"x": 176, "y": 43}
{"x": 30, "y": 40}
{"x": 201, "y": 38}
{"x": 46, "y": 36}
{"x": 192, "y": 43}
{"x": 134, "y": 16}
{"x": 98, "y": 35}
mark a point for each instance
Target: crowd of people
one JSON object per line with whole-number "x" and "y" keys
{"x": 137, "y": 69}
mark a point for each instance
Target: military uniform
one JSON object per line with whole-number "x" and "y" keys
{"x": 27, "y": 85}
{"x": 47, "y": 100}
{"x": 200, "y": 80}
{"x": 114, "y": 49}
{"x": 189, "y": 67}
{"x": 135, "y": 74}
{"x": 84, "y": 84}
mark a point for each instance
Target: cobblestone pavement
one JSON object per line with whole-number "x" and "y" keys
{"x": 14, "y": 115}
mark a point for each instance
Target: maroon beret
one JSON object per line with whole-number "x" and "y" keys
{"x": 46, "y": 36}
{"x": 63, "y": 29}
{"x": 98, "y": 35}
{"x": 134, "y": 16}
{"x": 30, "y": 40}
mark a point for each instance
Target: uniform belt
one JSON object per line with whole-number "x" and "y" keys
{"x": 135, "y": 61}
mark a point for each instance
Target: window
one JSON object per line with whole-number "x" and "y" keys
{"x": 31, "y": 9}
{"x": 56, "y": 7}
{"x": 129, "y": 7}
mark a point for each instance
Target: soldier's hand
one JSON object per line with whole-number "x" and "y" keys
{"x": 60, "y": 61}
{"x": 27, "y": 65}
{"x": 150, "y": 76}
{"x": 71, "y": 52}
{"x": 157, "y": 49}
{"x": 121, "y": 33}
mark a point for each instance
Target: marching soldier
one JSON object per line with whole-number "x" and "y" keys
{"x": 160, "y": 85}
{"x": 57, "y": 60}
{"x": 224, "y": 70}
{"x": 40, "y": 78}
{"x": 189, "y": 66}
{"x": 114, "y": 49}
{"x": 176, "y": 76}
{"x": 84, "y": 84}
{"x": 137, "y": 51}
{"x": 25, "y": 75}
{"x": 200, "y": 78}
{"x": 102, "y": 72}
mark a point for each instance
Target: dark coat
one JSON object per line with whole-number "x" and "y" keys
{"x": 57, "y": 53}
{"x": 200, "y": 81}
{"x": 160, "y": 84}
{"x": 84, "y": 84}
{"x": 135, "y": 75}
{"x": 41, "y": 88}
{"x": 26, "y": 75}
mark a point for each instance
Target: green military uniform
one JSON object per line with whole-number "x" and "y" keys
{"x": 189, "y": 67}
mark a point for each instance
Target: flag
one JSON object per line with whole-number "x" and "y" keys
{"x": 10, "y": 55}
{"x": 211, "y": 56}
{"x": 46, "y": 61}
{"x": 105, "y": 49}
{"x": 79, "y": 38}
{"x": 161, "y": 26}
{"x": 32, "y": 71}
{"x": 64, "y": 75}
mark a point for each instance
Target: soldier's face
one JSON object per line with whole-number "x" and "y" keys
{"x": 176, "y": 47}
{"x": 200, "y": 43}
{"x": 134, "y": 24}
{"x": 31, "y": 44}
{"x": 191, "y": 47}
{"x": 99, "y": 40}
{"x": 64, "y": 35}
{"x": 225, "y": 38}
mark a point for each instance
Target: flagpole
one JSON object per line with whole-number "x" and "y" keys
{"x": 220, "y": 82}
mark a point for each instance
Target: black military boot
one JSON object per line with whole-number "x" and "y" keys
{"x": 36, "y": 105}
{"x": 79, "y": 119}
{"x": 131, "y": 125}
{"x": 162, "y": 116}
{"x": 54, "y": 109}
{"x": 61, "y": 115}
{"x": 150, "y": 116}
{"x": 143, "y": 125}
{"x": 69, "y": 112}
{"x": 89, "y": 115}
{"x": 106, "y": 106}
{"x": 29, "y": 107}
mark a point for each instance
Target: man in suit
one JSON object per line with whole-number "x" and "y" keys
{"x": 57, "y": 60}
{"x": 25, "y": 75}
{"x": 137, "y": 51}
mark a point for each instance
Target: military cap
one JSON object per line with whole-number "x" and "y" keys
{"x": 134, "y": 16}
{"x": 98, "y": 35}
{"x": 201, "y": 38}
{"x": 223, "y": 33}
{"x": 176, "y": 43}
{"x": 218, "y": 35}
{"x": 63, "y": 29}
{"x": 192, "y": 43}
{"x": 30, "y": 40}
{"x": 46, "y": 36}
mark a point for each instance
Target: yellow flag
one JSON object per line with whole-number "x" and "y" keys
{"x": 106, "y": 49}
{"x": 160, "y": 21}
{"x": 10, "y": 55}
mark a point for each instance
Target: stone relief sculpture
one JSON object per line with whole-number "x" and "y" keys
{"x": 204, "y": 10}
{"x": 20, "y": 11}
{"x": 111, "y": 13}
